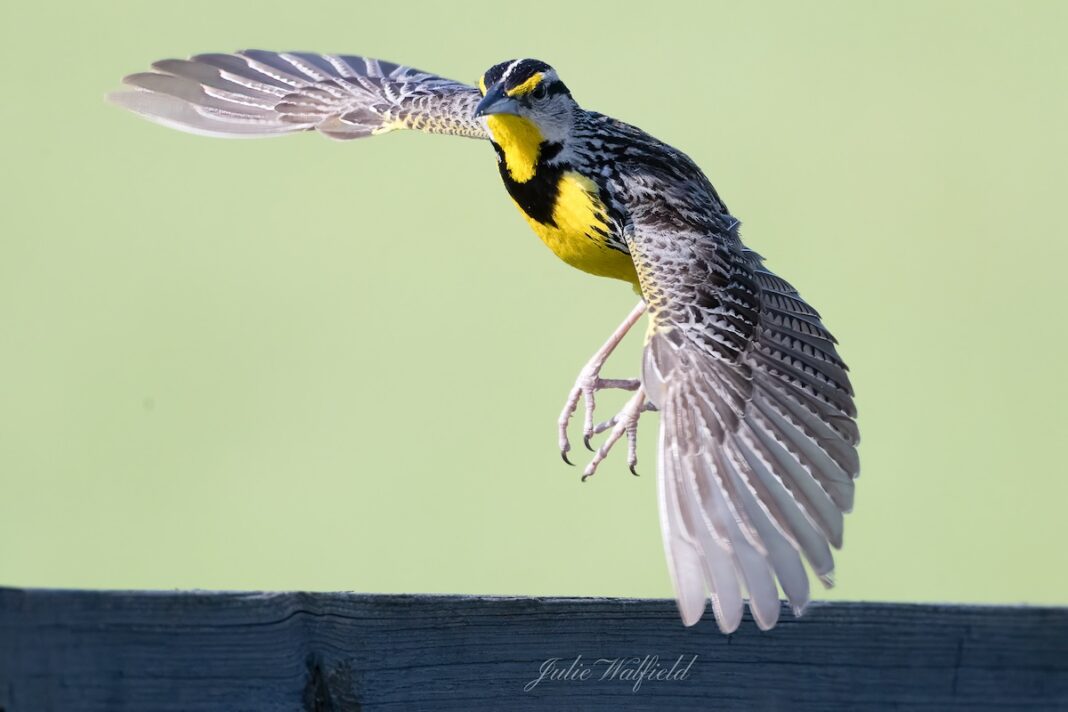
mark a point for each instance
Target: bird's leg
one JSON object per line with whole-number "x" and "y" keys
{"x": 625, "y": 423}
{"x": 589, "y": 381}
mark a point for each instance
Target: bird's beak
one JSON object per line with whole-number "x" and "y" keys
{"x": 496, "y": 102}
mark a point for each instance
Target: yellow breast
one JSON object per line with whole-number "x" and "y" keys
{"x": 579, "y": 214}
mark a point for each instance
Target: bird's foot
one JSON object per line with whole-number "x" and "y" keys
{"x": 589, "y": 381}
{"x": 623, "y": 423}
{"x": 586, "y": 386}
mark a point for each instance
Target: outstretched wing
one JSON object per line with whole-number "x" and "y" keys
{"x": 757, "y": 433}
{"x": 256, "y": 93}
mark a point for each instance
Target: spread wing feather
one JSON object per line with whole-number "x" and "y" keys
{"x": 757, "y": 432}
{"x": 256, "y": 93}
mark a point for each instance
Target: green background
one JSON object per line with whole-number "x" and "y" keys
{"x": 300, "y": 364}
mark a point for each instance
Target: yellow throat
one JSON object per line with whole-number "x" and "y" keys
{"x": 579, "y": 223}
{"x": 520, "y": 140}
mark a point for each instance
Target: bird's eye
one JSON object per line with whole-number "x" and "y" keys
{"x": 540, "y": 92}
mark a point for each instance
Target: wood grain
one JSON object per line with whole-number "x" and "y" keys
{"x": 338, "y": 652}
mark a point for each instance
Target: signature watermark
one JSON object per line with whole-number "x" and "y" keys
{"x": 633, "y": 670}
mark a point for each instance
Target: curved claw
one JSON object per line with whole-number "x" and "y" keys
{"x": 589, "y": 382}
{"x": 626, "y": 424}
{"x": 563, "y": 454}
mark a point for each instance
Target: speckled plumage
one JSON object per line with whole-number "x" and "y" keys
{"x": 758, "y": 438}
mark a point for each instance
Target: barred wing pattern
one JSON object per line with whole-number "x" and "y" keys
{"x": 757, "y": 435}
{"x": 256, "y": 93}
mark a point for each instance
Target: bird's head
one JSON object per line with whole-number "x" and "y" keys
{"x": 528, "y": 91}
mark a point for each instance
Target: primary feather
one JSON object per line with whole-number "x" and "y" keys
{"x": 255, "y": 94}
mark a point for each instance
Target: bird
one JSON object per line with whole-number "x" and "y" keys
{"x": 757, "y": 451}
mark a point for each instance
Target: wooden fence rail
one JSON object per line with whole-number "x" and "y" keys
{"x": 338, "y": 652}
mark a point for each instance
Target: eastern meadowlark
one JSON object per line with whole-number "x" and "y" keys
{"x": 757, "y": 452}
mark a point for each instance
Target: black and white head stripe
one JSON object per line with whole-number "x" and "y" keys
{"x": 521, "y": 76}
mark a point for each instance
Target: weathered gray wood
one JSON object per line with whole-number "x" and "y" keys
{"x": 83, "y": 650}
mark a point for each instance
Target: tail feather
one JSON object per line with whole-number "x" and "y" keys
{"x": 688, "y": 566}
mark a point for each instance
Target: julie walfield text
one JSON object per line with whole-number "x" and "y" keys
{"x": 634, "y": 670}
